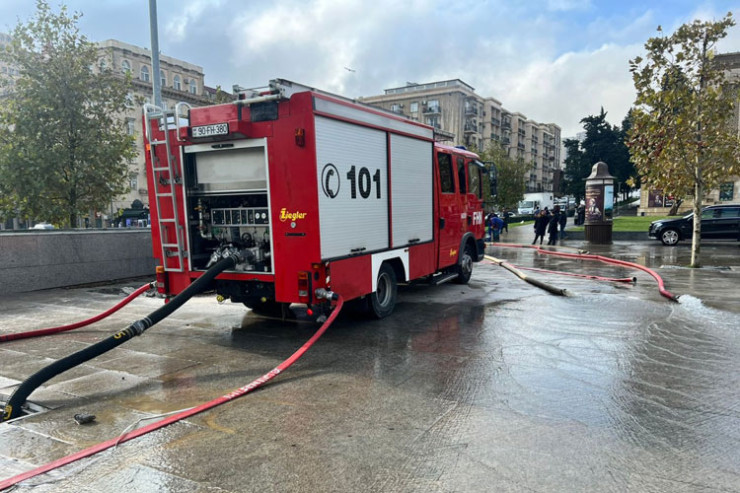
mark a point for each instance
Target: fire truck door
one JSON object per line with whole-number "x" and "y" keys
{"x": 450, "y": 209}
{"x": 473, "y": 199}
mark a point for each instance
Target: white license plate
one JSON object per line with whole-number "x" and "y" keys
{"x": 210, "y": 130}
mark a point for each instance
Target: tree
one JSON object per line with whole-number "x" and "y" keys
{"x": 577, "y": 168}
{"x": 682, "y": 140}
{"x": 510, "y": 174}
{"x": 603, "y": 142}
{"x": 65, "y": 148}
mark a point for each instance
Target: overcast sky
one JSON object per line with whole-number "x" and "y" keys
{"x": 555, "y": 61}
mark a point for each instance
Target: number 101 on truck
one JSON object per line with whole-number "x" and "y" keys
{"x": 315, "y": 192}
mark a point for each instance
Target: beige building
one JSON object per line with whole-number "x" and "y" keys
{"x": 729, "y": 189}
{"x": 462, "y": 117}
{"x": 180, "y": 81}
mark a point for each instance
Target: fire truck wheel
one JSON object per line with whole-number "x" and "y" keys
{"x": 383, "y": 299}
{"x": 465, "y": 267}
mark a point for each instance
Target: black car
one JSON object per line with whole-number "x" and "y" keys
{"x": 717, "y": 222}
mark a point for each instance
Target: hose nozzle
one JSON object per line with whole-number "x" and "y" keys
{"x": 325, "y": 294}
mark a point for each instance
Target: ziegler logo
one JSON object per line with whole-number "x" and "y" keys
{"x": 291, "y": 216}
{"x": 453, "y": 252}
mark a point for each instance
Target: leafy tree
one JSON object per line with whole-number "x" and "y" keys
{"x": 682, "y": 140}
{"x": 64, "y": 148}
{"x": 577, "y": 168}
{"x": 510, "y": 174}
{"x": 603, "y": 142}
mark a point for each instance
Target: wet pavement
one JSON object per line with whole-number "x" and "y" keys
{"x": 494, "y": 386}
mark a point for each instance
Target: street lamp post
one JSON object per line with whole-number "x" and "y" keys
{"x": 153, "y": 33}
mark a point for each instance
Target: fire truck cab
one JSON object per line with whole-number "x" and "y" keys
{"x": 316, "y": 193}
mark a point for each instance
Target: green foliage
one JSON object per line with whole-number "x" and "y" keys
{"x": 577, "y": 168}
{"x": 603, "y": 142}
{"x": 64, "y": 148}
{"x": 682, "y": 140}
{"x": 511, "y": 174}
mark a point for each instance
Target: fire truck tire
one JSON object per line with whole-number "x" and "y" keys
{"x": 383, "y": 299}
{"x": 465, "y": 267}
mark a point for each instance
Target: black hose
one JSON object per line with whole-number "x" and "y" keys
{"x": 13, "y": 406}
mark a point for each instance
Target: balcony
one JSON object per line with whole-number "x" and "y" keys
{"x": 432, "y": 110}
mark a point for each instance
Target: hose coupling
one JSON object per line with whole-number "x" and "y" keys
{"x": 139, "y": 327}
{"x": 325, "y": 294}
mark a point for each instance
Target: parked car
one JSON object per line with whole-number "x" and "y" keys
{"x": 43, "y": 226}
{"x": 717, "y": 222}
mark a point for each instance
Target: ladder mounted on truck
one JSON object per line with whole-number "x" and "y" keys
{"x": 278, "y": 89}
{"x": 167, "y": 178}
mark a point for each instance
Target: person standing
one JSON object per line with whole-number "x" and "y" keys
{"x": 563, "y": 223}
{"x": 552, "y": 226}
{"x": 540, "y": 225}
{"x": 497, "y": 224}
{"x": 506, "y": 219}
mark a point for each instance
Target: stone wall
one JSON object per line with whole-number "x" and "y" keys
{"x": 34, "y": 260}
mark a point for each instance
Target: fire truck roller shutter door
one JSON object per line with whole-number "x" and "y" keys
{"x": 352, "y": 173}
{"x": 411, "y": 186}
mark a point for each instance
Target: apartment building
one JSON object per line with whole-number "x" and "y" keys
{"x": 462, "y": 117}
{"x": 180, "y": 81}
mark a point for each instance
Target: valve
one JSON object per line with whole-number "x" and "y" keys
{"x": 325, "y": 294}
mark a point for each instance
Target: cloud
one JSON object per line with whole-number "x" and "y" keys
{"x": 573, "y": 86}
{"x": 181, "y": 20}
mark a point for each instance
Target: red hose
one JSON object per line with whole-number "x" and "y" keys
{"x": 77, "y": 325}
{"x": 661, "y": 287}
{"x": 179, "y": 416}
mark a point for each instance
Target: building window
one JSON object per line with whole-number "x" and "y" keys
{"x": 193, "y": 87}
{"x": 130, "y": 126}
{"x": 125, "y": 67}
{"x": 726, "y": 191}
{"x": 134, "y": 182}
{"x": 144, "y": 75}
{"x": 414, "y": 107}
{"x": 433, "y": 121}
{"x": 176, "y": 82}
{"x": 433, "y": 106}
{"x": 102, "y": 64}
{"x": 162, "y": 79}
{"x": 396, "y": 108}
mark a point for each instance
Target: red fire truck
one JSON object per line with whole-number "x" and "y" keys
{"x": 316, "y": 192}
